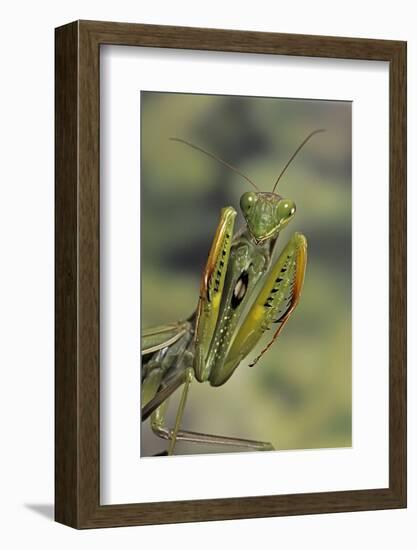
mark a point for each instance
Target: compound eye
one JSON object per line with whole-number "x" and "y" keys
{"x": 247, "y": 200}
{"x": 286, "y": 209}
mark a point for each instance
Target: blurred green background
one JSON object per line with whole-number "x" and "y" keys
{"x": 299, "y": 395}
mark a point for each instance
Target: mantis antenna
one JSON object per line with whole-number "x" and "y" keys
{"x": 215, "y": 158}
{"x": 294, "y": 155}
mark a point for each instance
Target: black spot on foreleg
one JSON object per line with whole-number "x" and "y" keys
{"x": 240, "y": 289}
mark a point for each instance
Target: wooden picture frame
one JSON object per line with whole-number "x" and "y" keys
{"x": 77, "y": 401}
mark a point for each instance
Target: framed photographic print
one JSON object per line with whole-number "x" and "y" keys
{"x": 230, "y": 274}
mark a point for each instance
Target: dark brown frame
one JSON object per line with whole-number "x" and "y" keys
{"x": 77, "y": 373}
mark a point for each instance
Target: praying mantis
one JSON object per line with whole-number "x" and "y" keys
{"x": 228, "y": 321}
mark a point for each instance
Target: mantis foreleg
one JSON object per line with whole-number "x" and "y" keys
{"x": 211, "y": 290}
{"x": 274, "y": 304}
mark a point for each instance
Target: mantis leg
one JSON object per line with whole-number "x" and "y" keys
{"x": 161, "y": 430}
{"x": 211, "y": 289}
{"x": 165, "y": 358}
{"x": 165, "y": 340}
{"x": 173, "y": 439}
{"x": 275, "y": 303}
{"x": 157, "y": 409}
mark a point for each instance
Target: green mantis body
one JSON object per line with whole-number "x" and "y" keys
{"x": 211, "y": 344}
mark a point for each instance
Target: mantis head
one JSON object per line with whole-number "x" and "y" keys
{"x": 266, "y": 214}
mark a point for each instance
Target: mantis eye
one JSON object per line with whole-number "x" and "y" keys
{"x": 285, "y": 210}
{"x": 247, "y": 200}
